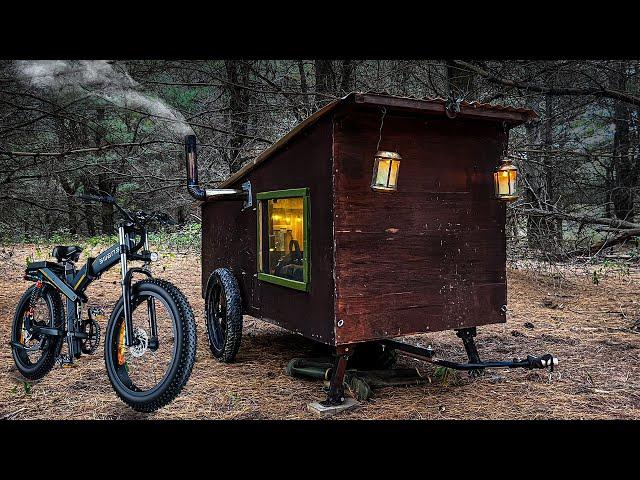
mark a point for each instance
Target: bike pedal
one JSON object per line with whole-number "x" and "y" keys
{"x": 95, "y": 312}
{"x": 64, "y": 360}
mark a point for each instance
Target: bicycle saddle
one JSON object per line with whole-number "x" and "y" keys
{"x": 63, "y": 253}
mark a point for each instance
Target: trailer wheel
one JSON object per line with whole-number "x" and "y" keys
{"x": 223, "y": 311}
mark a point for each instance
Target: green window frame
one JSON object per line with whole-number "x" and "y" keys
{"x": 261, "y": 197}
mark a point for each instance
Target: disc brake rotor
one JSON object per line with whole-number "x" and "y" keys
{"x": 27, "y": 336}
{"x": 141, "y": 343}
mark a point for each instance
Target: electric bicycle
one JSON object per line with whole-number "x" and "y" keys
{"x": 150, "y": 339}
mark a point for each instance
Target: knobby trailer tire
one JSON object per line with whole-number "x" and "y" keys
{"x": 223, "y": 279}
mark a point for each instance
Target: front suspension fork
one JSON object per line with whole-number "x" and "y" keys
{"x": 126, "y": 275}
{"x": 151, "y": 312}
{"x": 125, "y": 282}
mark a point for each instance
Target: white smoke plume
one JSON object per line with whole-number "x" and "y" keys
{"x": 99, "y": 78}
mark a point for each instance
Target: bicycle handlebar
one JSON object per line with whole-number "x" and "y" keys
{"x": 140, "y": 218}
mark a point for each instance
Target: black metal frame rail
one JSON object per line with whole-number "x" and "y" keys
{"x": 428, "y": 354}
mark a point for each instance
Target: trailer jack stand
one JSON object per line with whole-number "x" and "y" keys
{"x": 467, "y": 334}
{"x": 336, "y": 386}
{"x": 336, "y": 401}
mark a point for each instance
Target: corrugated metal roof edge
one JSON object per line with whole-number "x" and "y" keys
{"x": 512, "y": 115}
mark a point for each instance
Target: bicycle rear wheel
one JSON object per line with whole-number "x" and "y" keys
{"x": 35, "y": 353}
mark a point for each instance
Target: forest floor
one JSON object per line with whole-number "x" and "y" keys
{"x": 586, "y": 319}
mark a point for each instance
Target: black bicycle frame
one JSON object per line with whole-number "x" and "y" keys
{"x": 72, "y": 284}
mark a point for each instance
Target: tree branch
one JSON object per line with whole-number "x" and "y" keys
{"x": 585, "y": 219}
{"x": 600, "y": 91}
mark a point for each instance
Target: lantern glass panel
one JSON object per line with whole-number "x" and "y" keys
{"x": 505, "y": 181}
{"x": 393, "y": 176}
{"x": 502, "y": 183}
{"x": 512, "y": 182}
{"x": 382, "y": 172}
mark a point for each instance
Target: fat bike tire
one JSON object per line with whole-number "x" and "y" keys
{"x": 184, "y": 347}
{"x": 50, "y": 345}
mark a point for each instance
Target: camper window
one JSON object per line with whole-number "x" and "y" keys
{"x": 283, "y": 238}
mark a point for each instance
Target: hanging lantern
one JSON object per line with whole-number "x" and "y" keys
{"x": 505, "y": 180}
{"x": 385, "y": 171}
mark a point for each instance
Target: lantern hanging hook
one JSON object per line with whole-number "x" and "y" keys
{"x": 452, "y": 107}
{"x": 384, "y": 112}
{"x": 505, "y": 141}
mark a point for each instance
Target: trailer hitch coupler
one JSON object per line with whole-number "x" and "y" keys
{"x": 545, "y": 361}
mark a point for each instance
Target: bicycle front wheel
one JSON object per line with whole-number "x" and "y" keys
{"x": 150, "y": 373}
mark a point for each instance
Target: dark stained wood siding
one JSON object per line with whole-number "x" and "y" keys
{"x": 229, "y": 237}
{"x": 430, "y": 256}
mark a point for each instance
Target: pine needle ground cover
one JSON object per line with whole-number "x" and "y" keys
{"x": 590, "y": 325}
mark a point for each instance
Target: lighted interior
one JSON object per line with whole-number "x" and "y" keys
{"x": 382, "y": 175}
{"x": 506, "y": 182}
{"x": 512, "y": 181}
{"x": 286, "y": 237}
{"x": 393, "y": 176}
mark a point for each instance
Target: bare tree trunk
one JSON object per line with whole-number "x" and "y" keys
{"x": 553, "y": 227}
{"x": 304, "y": 87}
{"x": 106, "y": 211}
{"x": 532, "y": 192}
{"x": 69, "y": 188}
{"x": 625, "y": 176}
{"x": 89, "y": 212}
{"x": 347, "y": 77}
{"x": 325, "y": 81}
{"x": 543, "y": 233}
{"x": 237, "y": 76}
{"x": 65, "y": 182}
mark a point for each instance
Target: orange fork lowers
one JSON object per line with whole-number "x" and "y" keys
{"x": 121, "y": 347}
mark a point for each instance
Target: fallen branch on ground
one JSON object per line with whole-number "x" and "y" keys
{"x": 623, "y": 230}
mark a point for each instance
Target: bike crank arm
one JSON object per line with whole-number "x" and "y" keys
{"x": 53, "y": 332}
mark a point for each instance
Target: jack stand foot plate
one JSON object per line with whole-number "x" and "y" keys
{"x": 324, "y": 411}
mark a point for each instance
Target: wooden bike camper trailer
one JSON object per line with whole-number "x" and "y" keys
{"x": 320, "y": 243}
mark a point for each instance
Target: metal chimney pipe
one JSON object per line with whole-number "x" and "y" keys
{"x": 208, "y": 194}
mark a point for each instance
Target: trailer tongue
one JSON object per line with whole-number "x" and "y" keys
{"x": 475, "y": 366}
{"x": 429, "y": 355}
